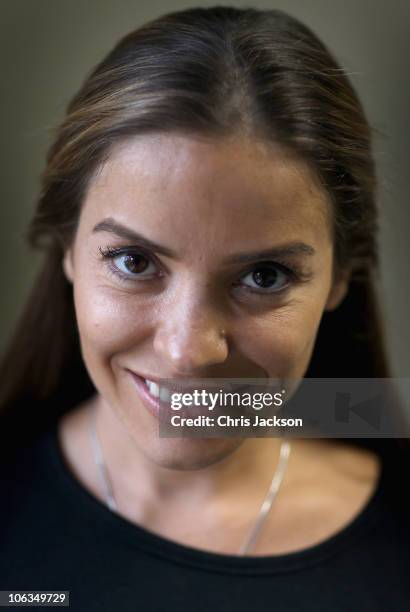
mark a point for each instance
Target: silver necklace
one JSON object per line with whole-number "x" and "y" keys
{"x": 264, "y": 509}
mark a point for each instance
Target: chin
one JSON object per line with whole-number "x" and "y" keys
{"x": 191, "y": 453}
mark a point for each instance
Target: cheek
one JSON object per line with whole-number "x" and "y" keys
{"x": 109, "y": 323}
{"x": 282, "y": 341}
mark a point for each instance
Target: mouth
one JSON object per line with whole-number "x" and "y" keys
{"x": 149, "y": 395}
{"x": 160, "y": 392}
{"x": 156, "y": 396}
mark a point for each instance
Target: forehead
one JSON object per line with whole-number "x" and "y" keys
{"x": 229, "y": 188}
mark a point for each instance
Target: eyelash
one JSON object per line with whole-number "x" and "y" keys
{"x": 295, "y": 273}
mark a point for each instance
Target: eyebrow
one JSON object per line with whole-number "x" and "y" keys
{"x": 110, "y": 225}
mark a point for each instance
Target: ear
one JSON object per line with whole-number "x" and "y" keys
{"x": 68, "y": 265}
{"x": 338, "y": 290}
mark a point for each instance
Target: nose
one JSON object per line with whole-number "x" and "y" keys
{"x": 191, "y": 336}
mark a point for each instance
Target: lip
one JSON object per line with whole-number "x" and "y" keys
{"x": 152, "y": 404}
{"x": 155, "y": 379}
{"x": 179, "y": 382}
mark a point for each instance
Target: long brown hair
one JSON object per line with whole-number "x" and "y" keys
{"x": 214, "y": 71}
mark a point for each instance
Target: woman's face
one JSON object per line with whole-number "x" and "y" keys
{"x": 216, "y": 209}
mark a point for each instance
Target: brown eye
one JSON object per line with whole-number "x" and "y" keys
{"x": 267, "y": 276}
{"x": 133, "y": 265}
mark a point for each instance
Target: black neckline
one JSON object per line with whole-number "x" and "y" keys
{"x": 117, "y": 527}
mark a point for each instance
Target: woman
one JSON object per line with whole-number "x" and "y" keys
{"x": 207, "y": 210}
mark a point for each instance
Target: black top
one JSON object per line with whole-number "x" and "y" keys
{"x": 55, "y": 535}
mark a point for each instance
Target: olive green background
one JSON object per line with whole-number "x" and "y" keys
{"x": 48, "y": 46}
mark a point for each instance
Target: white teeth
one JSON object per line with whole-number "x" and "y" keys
{"x": 153, "y": 388}
{"x": 163, "y": 393}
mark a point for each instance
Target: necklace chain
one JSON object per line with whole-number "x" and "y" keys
{"x": 264, "y": 509}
